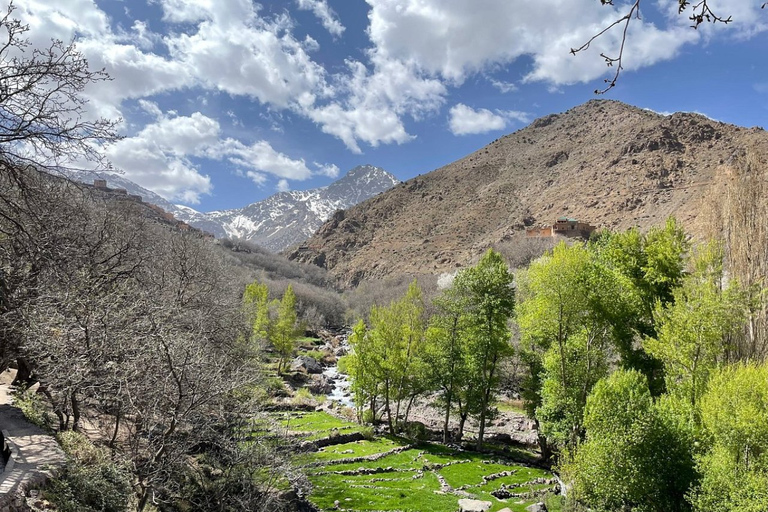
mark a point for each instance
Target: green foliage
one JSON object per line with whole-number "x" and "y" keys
{"x": 734, "y": 416}
{"x": 256, "y": 307}
{"x": 33, "y": 407}
{"x": 571, "y": 303}
{"x": 561, "y": 410}
{"x": 387, "y": 359}
{"x": 693, "y": 330}
{"x": 489, "y": 299}
{"x": 91, "y": 481}
{"x": 303, "y": 396}
{"x": 446, "y": 353}
{"x": 286, "y": 328}
{"x": 651, "y": 266}
{"x": 636, "y": 456}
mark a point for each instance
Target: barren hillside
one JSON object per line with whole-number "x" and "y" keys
{"x": 603, "y": 162}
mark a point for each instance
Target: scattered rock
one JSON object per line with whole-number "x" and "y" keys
{"x": 320, "y": 385}
{"x": 467, "y": 505}
{"x": 306, "y": 364}
{"x": 536, "y": 507}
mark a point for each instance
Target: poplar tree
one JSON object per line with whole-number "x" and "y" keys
{"x": 286, "y": 327}
{"x": 490, "y": 301}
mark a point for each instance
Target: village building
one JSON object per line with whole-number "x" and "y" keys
{"x": 563, "y": 226}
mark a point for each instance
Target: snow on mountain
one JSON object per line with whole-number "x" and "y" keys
{"x": 288, "y": 218}
{"x": 277, "y": 222}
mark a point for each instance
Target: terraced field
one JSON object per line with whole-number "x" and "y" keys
{"x": 390, "y": 474}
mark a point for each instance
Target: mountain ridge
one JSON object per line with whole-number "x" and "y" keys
{"x": 280, "y": 221}
{"x": 604, "y": 162}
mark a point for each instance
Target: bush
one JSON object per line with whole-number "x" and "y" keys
{"x": 91, "y": 481}
{"x": 34, "y": 408}
{"x": 303, "y": 397}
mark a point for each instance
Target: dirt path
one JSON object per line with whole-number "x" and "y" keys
{"x": 34, "y": 454}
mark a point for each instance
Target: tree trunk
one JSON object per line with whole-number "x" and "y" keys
{"x": 447, "y": 416}
{"x": 544, "y": 448}
{"x": 408, "y": 409}
{"x": 481, "y": 432}
{"x": 75, "y": 412}
{"x": 387, "y": 409}
{"x": 24, "y": 372}
{"x": 117, "y": 428}
{"x": 462, "y": 420}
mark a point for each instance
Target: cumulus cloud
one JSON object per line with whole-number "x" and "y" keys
{"x": 283, "y": 186}
{"x": 324, "y": 13}
{"x": 233, "y": 49}
{"x": 464, "y": 120}
{"x": 162, "y": 156}
{"x": 374, "y": 103}
{"x": 455, "y": 38}
{"x": 259, "y": 157}
{"x": 330, "y": 170}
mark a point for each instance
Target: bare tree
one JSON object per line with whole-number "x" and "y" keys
{"x": 43, "y": 117}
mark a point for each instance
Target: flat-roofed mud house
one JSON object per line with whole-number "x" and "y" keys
{"x": 563, "y": 226}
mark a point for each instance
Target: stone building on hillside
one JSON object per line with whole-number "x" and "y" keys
{"x": 563, "y": 226}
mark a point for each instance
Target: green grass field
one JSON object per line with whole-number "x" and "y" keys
{"x": 423, "y": 478}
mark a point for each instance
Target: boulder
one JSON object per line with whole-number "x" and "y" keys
{"x": 320, "y": 385}
{"x": 341, "y": 351}
{"x": 507, "y": 509}
{"x": 467, "y": 505}
{"x": 306, "y": 364}
{"x": 536, "y": 507}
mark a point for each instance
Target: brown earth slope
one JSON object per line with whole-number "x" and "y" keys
{"x": 603, "y": 162}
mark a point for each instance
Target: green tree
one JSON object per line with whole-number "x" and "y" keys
{"x": 256, "y": 306}
{"x": 286, "y": 327}
{"x": 636, "y": 456}
{"x": 694, "y": 328}
{"x": 734, "y": 417}
{"x": 363, "y": 364}
{"x": 570, "y": 305}
{"x": 446, "y": 356}
{"x": 388, "y": 357}
{"x": 490, "y": 301}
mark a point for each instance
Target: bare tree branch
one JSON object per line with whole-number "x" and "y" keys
{"x": 700, "y": 13}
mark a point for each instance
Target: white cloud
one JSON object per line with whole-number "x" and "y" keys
{"x": 157, "y": 157}
{"x": 259, "y": 157}
{"x": 375, "y": 102}
{"x": 160, "y": 157}
{"x": 256, "y": 177}
{"x": 324, "y": 13}
{"x": 503, "y": 86}
{"x": 234, "y": 50}
{"x": 464, "y": 120}
{"x": 283, "y": 186}
{"x": 454, "y": 38}
{"x": 330, "y": 170}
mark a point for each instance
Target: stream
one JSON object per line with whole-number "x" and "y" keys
{"x": 341, "y": 392}
{"x": 341, "y": 384}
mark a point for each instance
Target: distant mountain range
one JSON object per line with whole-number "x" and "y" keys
{"x": 278, "y": 222}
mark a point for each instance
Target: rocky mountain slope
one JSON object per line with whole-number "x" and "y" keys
{"x": 280, "y": 221}
{"x": 603, "y": 162}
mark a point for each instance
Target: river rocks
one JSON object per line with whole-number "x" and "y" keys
{"x": 466, "y": 505}
{"x": 306, "y": 364}
{"x": 320, "y": 385}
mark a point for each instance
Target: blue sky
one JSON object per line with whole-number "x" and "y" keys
{"x": 225, "y": 102}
